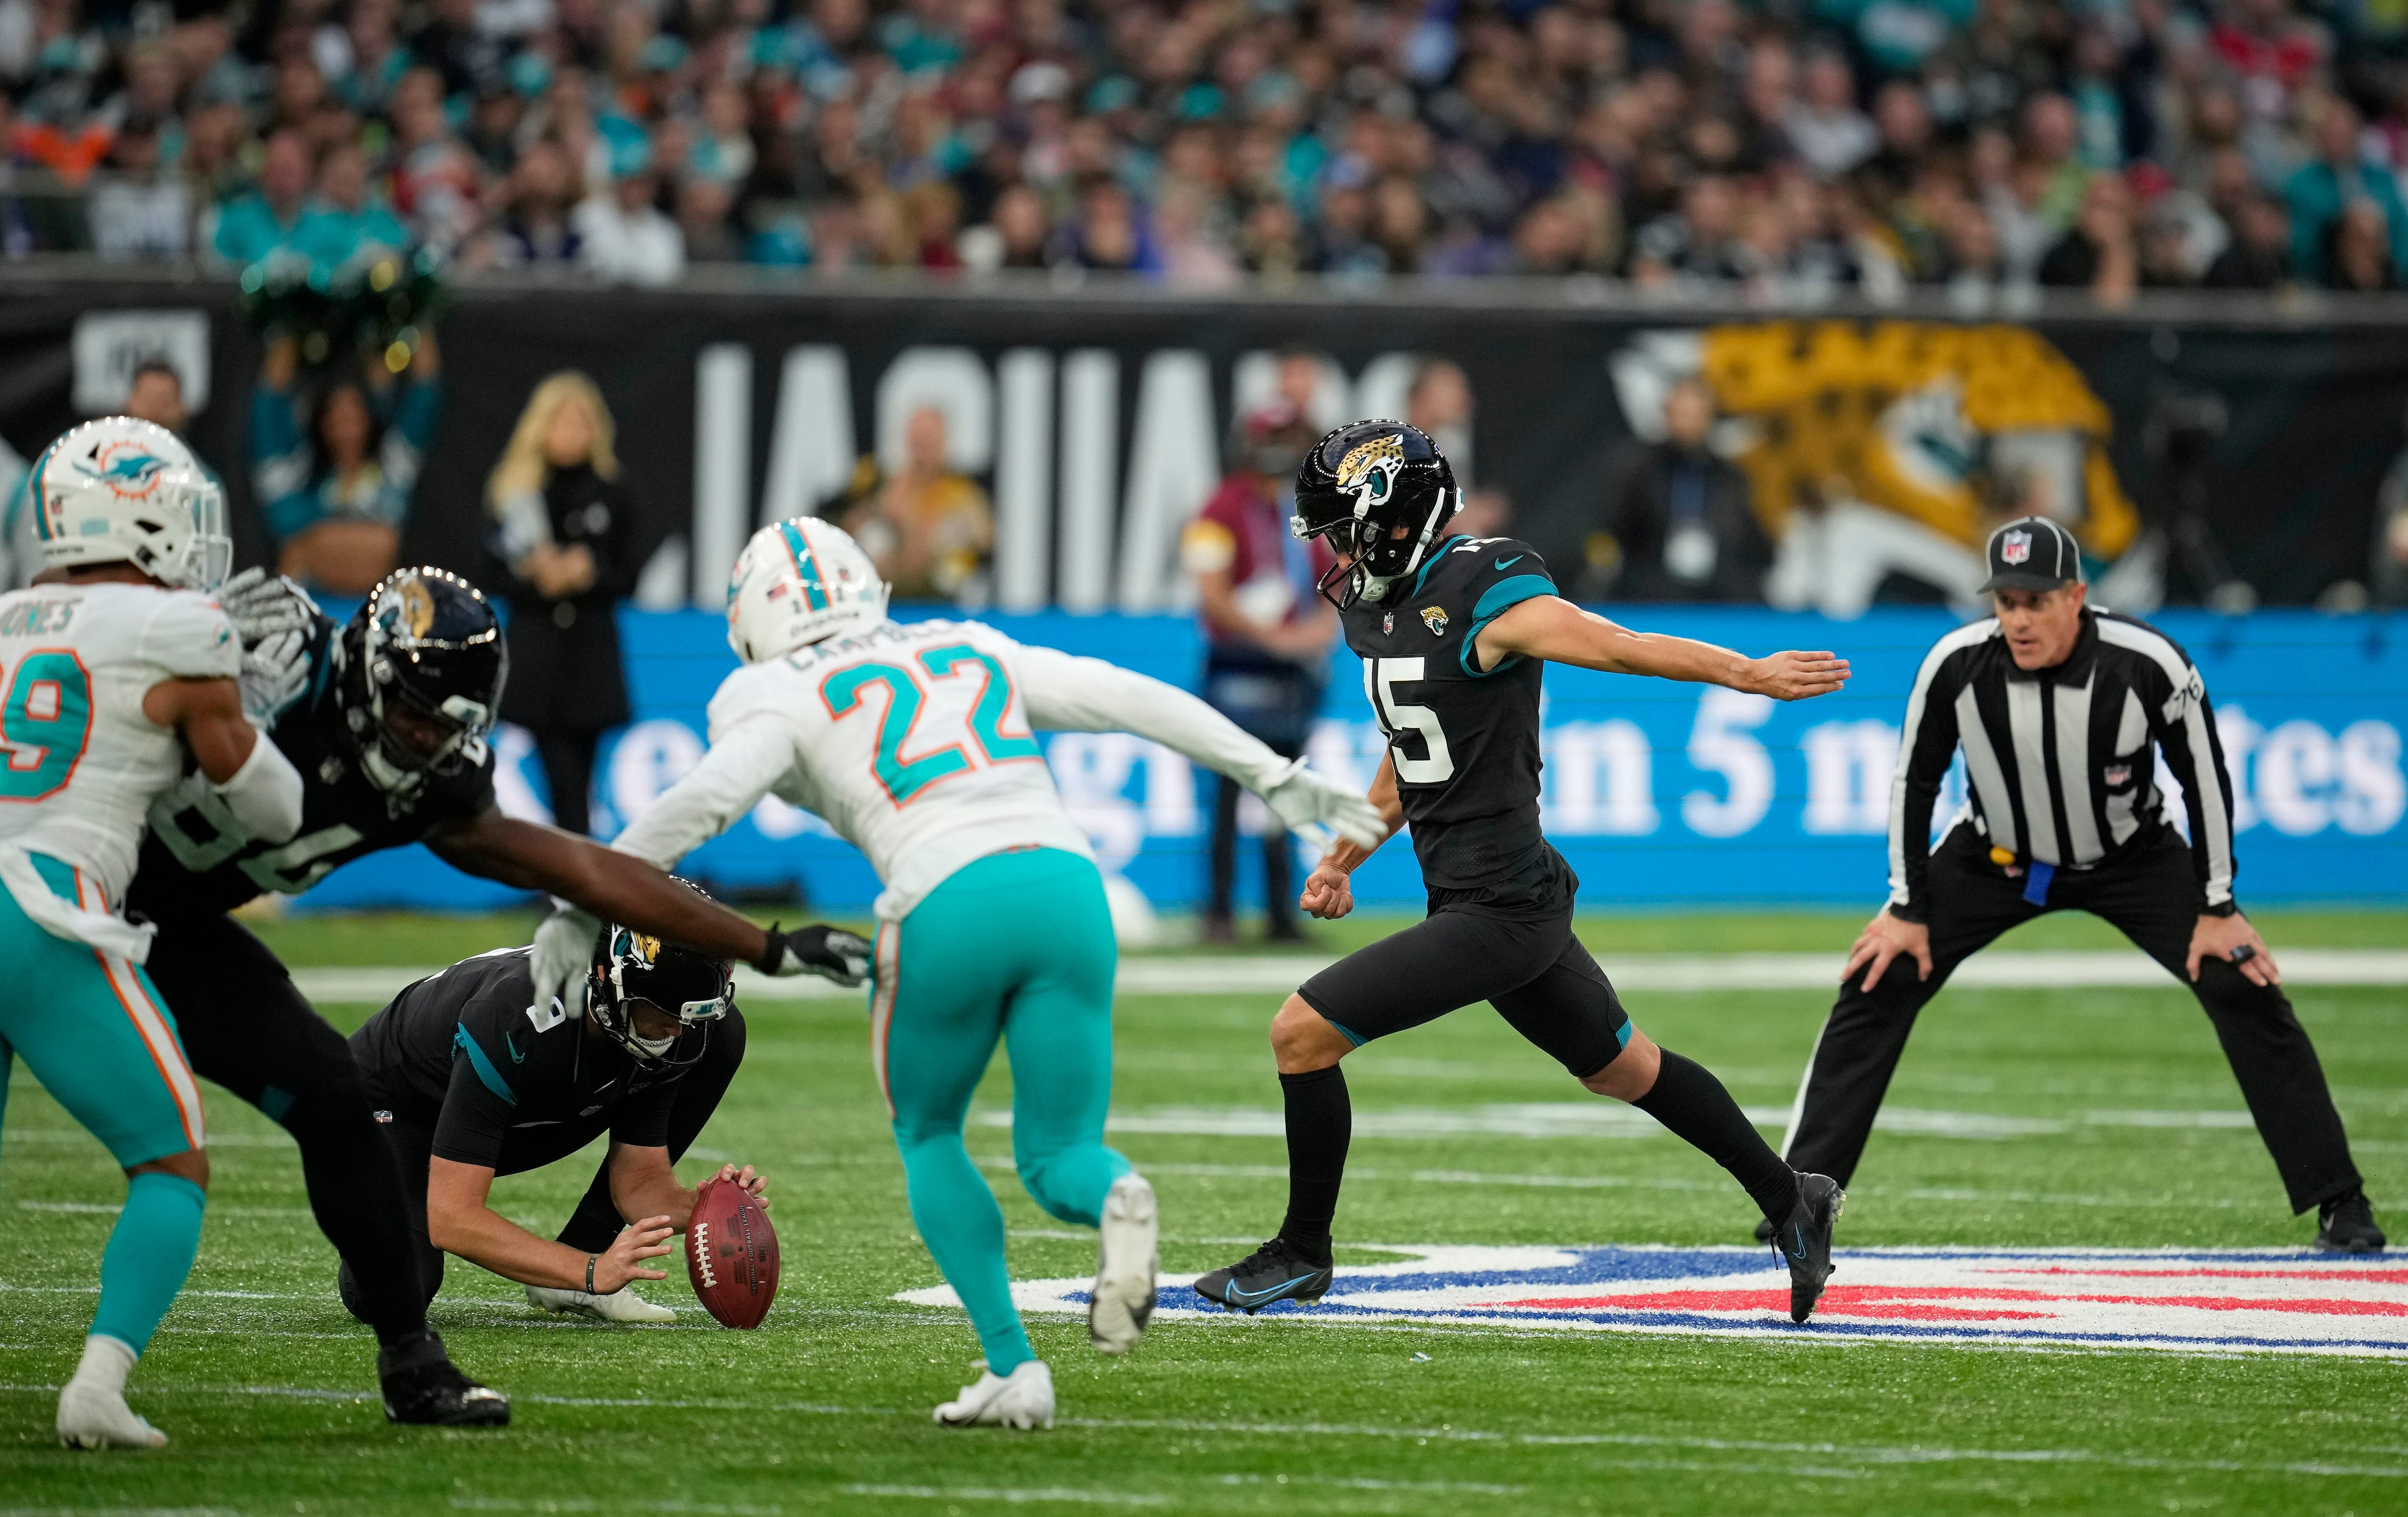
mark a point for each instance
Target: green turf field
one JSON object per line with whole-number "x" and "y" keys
{"x": 267, "y": 1387}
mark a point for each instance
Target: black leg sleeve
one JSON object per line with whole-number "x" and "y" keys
{"x": 1695, "y": 1106}
{"x": 1320, "y": 1127}
{"x": 597, "y": 1220}
{"x": 2152, "y": 899}
{"x": 1848, "y": 1075}
{"x": 247, "y": 1028}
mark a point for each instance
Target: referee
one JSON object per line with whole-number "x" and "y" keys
{"x": 2057, "y": 706}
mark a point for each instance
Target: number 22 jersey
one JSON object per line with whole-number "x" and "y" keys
{"x": 1464, "y": 739}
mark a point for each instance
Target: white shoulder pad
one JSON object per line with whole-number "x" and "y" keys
{"x": 773, "y": 687}
{"x": 188, "y": 635}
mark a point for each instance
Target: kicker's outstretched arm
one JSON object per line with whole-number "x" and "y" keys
{"x": 1550, "y": 627}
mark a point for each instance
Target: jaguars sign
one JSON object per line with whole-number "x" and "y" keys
{"x": 2220, "y": 1302}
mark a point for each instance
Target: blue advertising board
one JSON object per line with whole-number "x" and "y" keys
{"x": 1660, "y": 795}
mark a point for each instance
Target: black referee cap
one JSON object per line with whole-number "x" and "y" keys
{"x": 2032, "y": 553}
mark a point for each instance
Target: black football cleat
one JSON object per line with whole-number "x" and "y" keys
{"x": 2345, "y": 1224}
{"x": 1274, "y": 1272}
{"x": 422, "y": 1386}
{"x": 1764, "y": 1230}
{"x": 1804, "y": 1241}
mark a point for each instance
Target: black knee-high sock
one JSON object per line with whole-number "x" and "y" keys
{"x": 1690, "y": 1101}
{"x": 355, "y": 1193}
{"x": 1320, "y": 1124}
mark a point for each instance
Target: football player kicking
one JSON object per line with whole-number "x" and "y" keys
{"x": 116, "y": 670}
{"x": 473, "y": 1077}
{"x": 386, "y": 717}
{"x": 1454, "y": 635}
{"x": 915, "y": 743}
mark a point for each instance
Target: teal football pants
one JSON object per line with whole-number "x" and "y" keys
{"x": 1017, "y": 946}
{"x": 93, "y": 1030}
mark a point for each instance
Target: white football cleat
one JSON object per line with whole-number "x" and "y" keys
{"x": 1126, "y": 1258}
{"x": 1023, "y": 1399}
{"x": 93, "y": 1414}
{"x": 622, "y": 1305}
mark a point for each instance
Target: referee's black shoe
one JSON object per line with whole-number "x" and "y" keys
{"x": 422, "y": 1385}
{"x": 1804, "y": 1240}
{"x": 1274, "y": 1272}
{"x": 2345, "y": 1224}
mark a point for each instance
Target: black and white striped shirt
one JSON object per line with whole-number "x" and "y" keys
{"x": 2058, "y": 760}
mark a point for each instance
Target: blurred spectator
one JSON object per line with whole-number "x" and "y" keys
{"x": 537, "y": 229}
{"x": 2259, "y": 256}
{"x": 258, "y": 223}
{"x": 927, "y": 528}
{"x": 1824, "y": 127}
{"x": 1439, "y": 401}
{"x": 623, "y": 237}
{"x": 334, "y": 473}
{"x": 1677, "y": 523}
{"x": 2321, "y": 190}
{"x": 138, "y": 210}
{"x": 1268, "y": 635}
{"x": 1487, "y": 512}
{"x": 2387, "y": 561}
{"x": 2356, "y": 252}
{"x": 343, "y": 221}
{"x": 565, "y": 538}
{"x": 2102, "y": 254}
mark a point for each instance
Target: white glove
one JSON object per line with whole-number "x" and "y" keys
{"x": 274, "y": 673}
{"x": 829, "y": 952}
{"x": 1305, "y": 802}
{"x": 262, "y": 605}
{"x": 561, "y": 961}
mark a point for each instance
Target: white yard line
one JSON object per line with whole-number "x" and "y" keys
{"x": 1267, "y": 974}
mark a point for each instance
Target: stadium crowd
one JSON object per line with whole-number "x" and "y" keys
{"x": 1797, "y": 145}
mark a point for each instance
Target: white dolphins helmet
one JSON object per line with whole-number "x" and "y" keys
{"x": 124, "y": 490}
{"x": 800, "y": 582}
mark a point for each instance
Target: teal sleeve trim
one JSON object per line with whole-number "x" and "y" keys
{"x": 1495, "y": 602}
{"x": 1622, "y": 1035}
{"x": 483, "y": 1065}
{"x": 1348, "y": 1033}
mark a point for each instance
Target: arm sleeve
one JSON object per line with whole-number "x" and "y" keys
{"x": 1068, "y": 694}
{"x": 744, "y": 762}
{"x": 1925, "y": 750}
{"x": 2184, "y": 725}
{"x": 477, "y": 1108}
{"x": 642, "y": 1121}
{"x": 1506, "y": 574}
{"x": 190, "y": 638}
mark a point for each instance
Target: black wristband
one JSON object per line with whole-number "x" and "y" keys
{"x": 2226, "y": 910}
{"x": 1908, "y": 913}
{"x": 774, "y": 955}
{"x": 589, "y": 1273}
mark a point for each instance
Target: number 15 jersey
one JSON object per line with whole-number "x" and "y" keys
{"x": 1464, "y": 739}
{"x": 82, "y": 761}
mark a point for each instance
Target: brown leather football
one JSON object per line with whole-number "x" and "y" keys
{"x": 731, "y": 1254}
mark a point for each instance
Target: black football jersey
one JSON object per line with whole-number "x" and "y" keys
{"x": 1464, "y": 740}
{"x": 465, "y": 1054}
{"x": 196, "y": 858}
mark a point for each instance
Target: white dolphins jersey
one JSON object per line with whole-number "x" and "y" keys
{"x": 917, "y": 743}
{"x": 83, "y": 763}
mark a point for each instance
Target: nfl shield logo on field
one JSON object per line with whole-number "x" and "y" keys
{"x": 2017, "y": 547}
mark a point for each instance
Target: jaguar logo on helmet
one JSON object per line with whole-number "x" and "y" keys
{"x": 417, "y": 606}
{"x": 1368, "y": 470}
{"x": 2016, "y": 548}
{"x": 646, "y": 947}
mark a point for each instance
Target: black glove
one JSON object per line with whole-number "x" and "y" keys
{"x": 829, "y": 952}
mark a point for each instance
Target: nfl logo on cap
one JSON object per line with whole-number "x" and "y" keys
{"x": 2017, "y": 549}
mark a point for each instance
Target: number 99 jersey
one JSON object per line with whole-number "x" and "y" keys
{"x": 1464, "y": 740}
{"x": 83, "y": 763}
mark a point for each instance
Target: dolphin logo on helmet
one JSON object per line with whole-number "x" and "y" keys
{"x": 125, "y": 491}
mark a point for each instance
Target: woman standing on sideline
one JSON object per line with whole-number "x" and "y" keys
{"x": 564, "y": 534}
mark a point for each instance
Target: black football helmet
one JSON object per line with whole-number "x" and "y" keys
{"x": 1361, "y": 483}
{"x": 418, "y": 671}
{"x": 631, "y": 968}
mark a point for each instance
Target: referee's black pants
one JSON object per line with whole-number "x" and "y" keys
{"x": 596, "y": 1223}
{"x": 2150, "y": 893}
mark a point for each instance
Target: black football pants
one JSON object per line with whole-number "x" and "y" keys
{"x": 245, "y": 1026}
{"x": 2151, "y": 895}
{"x": 596, "y": 1223}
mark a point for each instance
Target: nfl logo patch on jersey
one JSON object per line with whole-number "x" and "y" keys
{"x": 1434, "y": 618}
{"x": 1388, "y": 622}
{"x": 2017, "y": 547}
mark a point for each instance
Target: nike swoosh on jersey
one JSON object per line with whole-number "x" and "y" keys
{"x": 511, "y": 1041}
{"x": 1509, "y": 562}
